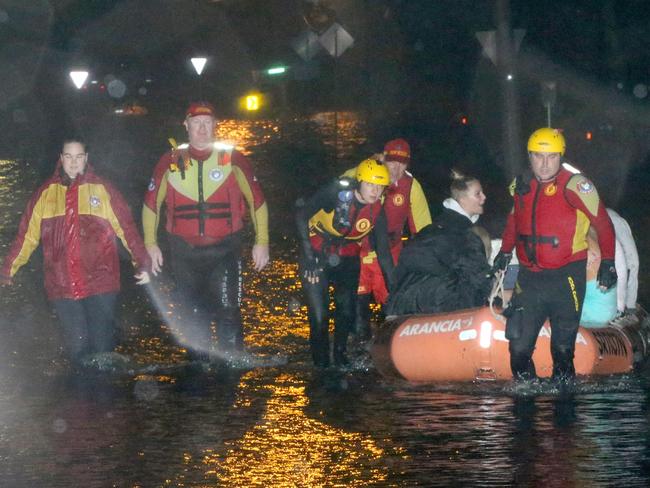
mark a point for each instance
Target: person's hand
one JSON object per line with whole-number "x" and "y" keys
{"x": 501, "y": 261}
{"x": 260, "y": 256}
{"x": 156, "y": 258}
{"x": 606, "y": 274}
{"x": 312, "y": 270}
{"x": 142, "y": 278}
{"x": 6, "y": 280}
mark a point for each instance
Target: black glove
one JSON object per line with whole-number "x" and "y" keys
{"x": 607, "y": 274}
{"x": 501, "y": 261}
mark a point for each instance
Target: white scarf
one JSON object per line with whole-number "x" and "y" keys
{"x": 452, "y": 204}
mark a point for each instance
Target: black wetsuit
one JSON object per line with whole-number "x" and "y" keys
{"x": 334, "y": 260}
{"x": 209, "y": 279}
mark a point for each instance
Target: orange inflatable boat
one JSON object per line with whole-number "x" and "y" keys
{"x": 471, "y": 345}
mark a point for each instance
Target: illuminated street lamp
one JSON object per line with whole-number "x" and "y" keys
{"x": 252, "y": 103}
{"x": 79, "y": 78}
{"x": 199, "y": 64}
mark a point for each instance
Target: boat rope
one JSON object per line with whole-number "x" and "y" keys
{"x": 497, "y": 290}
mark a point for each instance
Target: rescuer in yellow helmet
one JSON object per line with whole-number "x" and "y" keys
{"x": 331, "y": 225}
{"x": 407, "y": 211}
{"x": 553, "y": 208}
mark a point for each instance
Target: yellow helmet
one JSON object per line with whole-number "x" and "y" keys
{"x": 547, "y": 140}
{"x": 370, "y": 171}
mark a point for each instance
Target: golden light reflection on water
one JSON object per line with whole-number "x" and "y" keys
{"x": 289, "y": 448}
{"x": 273, "y": 311}
{"x": 291, "y": 443}
{"x": 244, "y": 134}
{"x": 350, "y": 130}
{"x": 17, "y": 181}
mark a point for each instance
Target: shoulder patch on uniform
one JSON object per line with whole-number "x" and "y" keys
{"x": 152, "y": 185}
{"x": 583, "y": 185}
{"x": 586, "y": 191}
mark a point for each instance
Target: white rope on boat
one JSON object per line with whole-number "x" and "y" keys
{"x": 497, "y": 290}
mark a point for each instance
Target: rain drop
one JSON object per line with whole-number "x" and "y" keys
{"x": 640, "y": 90}
{"x": 116, "y": 88}
{"x": 20, "y": 117}
{"x": 294, "y": 304}
{"x": 146, "y": 390}
{"x": 59, "y": 426}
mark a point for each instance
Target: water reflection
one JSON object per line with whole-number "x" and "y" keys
{"x": 341, "y": 130}
{"x": 545, "y": 449}
{"x": 273, "y": 312}
{"x": 288, "y": 448}
{"x": 349, "y": 128}
{"x": 244, "y": 134}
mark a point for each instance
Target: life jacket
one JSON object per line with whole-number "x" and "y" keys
{"x": 550, "y": 233}
{"x": 339, "y": 231}
{"x": 397, "y": 205}
{"x": 204, "y": 198}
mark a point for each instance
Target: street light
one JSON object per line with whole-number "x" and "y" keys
{"x": 79, "y": 78}
{"x": 252, "y": 103}
{"x": 199, "y": 64}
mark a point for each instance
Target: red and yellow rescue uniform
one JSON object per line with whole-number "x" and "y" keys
{"x": 77, "y": 223}
{"x": 331, "y": 225}
{"x": 404, "y": 205}
{"x": 205, "y": 198}
{"x": 549, "y": 223}
{"x": 327, "y": 238}
{"x": 548, "y": 226}
{"x": 206, "y": 193}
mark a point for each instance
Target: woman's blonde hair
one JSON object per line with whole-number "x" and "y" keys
{"x": 460, "y": 183}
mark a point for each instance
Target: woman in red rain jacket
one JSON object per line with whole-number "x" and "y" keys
{"x": 77, "y": 216}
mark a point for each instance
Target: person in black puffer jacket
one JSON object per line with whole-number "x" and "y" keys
{"x": 444, "y": 268}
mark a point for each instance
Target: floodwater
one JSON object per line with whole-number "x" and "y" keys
{"x": 148, "y": 418}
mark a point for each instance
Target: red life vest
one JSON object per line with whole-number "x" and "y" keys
{"x": 550, "y": 233}
{"x": 205, "y": 201}
{"x": 397, "y": 205}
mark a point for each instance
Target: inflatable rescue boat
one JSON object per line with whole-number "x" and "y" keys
{"x": 470, "y": 344}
